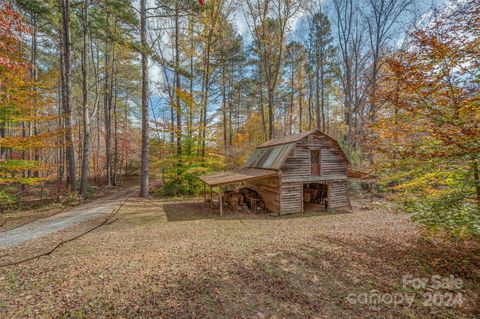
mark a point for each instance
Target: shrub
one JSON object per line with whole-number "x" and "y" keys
{"x": 180, "y": 175}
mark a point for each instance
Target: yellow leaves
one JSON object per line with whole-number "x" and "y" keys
{"x": 185, "y": 97}
{"x": 17, "y": 165}
{"x": 42, "y": 140}
{"x": 22, "y": 180}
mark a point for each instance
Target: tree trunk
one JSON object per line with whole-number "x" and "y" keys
{"x": 125, "y": 138}
{"x": 115, "y": 134}
{"x": 271, "y": 101}
{"x": 144, "y": 152}
{"x": 107, "y": 110}
{"x": 322, "y": 92}
{"x": 34, "y": 75}
{"x": 205, "y": 99}
{"x": 317, "y": 96}
{"x": 292, "y": 98}
{"x": 177, "y": 83}
{"x": 191, "y": 105}
{"x": 310, "y": 104}
{"x": 85, "y": 114}
{"x": 96, "y": 69}
{"x": 111, "y": 106}
{"x": 224, "y": 109}
{"x": 300, "y": 109}
{"x": 262, "y": 109}
{"x": 67, "y": 95}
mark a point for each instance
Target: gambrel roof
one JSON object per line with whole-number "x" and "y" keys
{"x": 272, "y": 154}
{"x": 265, "y": 160}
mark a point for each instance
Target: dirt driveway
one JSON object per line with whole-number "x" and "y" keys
{"x": 49, "y": 225}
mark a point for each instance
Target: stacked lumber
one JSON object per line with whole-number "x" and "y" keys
{"x": 244, "y": 199}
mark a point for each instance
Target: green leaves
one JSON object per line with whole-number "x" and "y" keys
{"x": 449, "y": 211}
{"x": 181, "y": 173}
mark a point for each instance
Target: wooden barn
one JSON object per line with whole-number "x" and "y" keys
{"x": 292, "y": 174}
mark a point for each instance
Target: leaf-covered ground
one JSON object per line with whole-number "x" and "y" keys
{"x": 177, "y": 259}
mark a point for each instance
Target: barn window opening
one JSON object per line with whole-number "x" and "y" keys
{"x": 315, "y": 162}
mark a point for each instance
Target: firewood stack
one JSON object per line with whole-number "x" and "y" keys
{"x": 244, "y": 199}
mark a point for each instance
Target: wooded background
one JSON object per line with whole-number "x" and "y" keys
{"x": 91, "y": 90}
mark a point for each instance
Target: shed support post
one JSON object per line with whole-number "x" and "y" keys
{"x": 221, "y": 203}
{"x": 211, "y": 197}
{"x": 204, "y": 193}
{"x": 371, "y": 191}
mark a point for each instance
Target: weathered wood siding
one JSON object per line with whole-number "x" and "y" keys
{"x": 296, "y": 171}
{"x": 297, "y": 163}
{"x": 332, "y": 162}
{"x": 269, "y": 190}
{"x": 337, "y": 194}
{"x": 291, "y": 196}
{"x": 296, "y": 167}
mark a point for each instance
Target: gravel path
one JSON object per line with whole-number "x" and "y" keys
{"x": 49, "y": 225}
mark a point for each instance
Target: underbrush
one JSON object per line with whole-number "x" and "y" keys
{"x": 180, "y": 174}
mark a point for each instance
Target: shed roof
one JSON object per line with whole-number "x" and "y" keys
{"x": 237, "y": 176}
{"x": 358, "y": 174}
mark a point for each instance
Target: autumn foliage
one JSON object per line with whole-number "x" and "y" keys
{"x": 429, "y": 131}
{"x": 23, "y": 107}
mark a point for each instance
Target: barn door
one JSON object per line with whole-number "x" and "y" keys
{"x": 315, "y": 162}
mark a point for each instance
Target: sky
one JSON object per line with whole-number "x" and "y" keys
{"x": 238, "y": 18}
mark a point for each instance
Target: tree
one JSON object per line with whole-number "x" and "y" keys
{"x": 351, "y": 64}
{"x": 269, "y": 23}
{"x": 20, "y": 97}
{"x": 144, "y": 169}
{"x": 85, "y": 112}
{"x": 381, "y": 17}
{"x": 67, "y": 94}
{"x": 322, "y": 55}
{"x": 295, "y": 65}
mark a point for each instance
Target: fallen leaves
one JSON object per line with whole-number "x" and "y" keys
{"x": 172, "y": 259}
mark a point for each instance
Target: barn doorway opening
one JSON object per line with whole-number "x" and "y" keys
{"x": 315, "y": 197}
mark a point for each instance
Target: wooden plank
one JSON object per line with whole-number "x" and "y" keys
{"x": 339, "y": 195}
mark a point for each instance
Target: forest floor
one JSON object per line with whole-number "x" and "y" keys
{"x": 178, "y": 259}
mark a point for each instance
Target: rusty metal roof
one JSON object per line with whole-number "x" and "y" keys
{"x": 271, "y": 157}
{"x": 237, "y": 176}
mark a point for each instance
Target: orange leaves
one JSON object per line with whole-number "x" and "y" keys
{"x": 12, "y": 27}
{"x": 428, "y": 129}
{"x": 24, "y": 106}
{"x": 427, "y": 90}
{"x": 39, "y": 141}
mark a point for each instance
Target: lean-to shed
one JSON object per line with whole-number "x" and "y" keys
{"x": 293, "y": 171}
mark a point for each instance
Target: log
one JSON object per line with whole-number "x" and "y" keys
{"x": 244, "y": 199}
